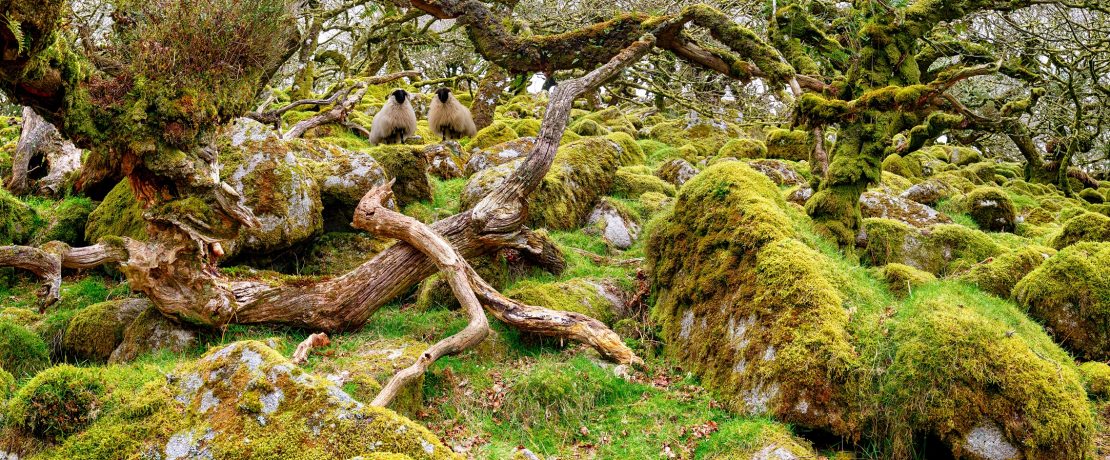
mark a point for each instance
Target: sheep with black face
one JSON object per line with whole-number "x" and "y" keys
{"x": 395, "y": 121}
{"x": 448, "y": 117}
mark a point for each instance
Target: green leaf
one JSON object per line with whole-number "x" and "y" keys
{"x": 17, "y": 31}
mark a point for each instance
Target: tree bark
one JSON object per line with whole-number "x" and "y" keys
{"x": 41, "y": 145}
{"x": 489, "y": 94}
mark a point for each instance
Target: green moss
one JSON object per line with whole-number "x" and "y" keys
{"x": 563, "y": 393}
{"x": 632, "y": 182}
{"x": 21, "y": 351}
{"x": 745, "y": 305}
{"x": 585, "y": 296}
{"x": 653, "y": 202}
{"x": 999, "y": 275}
{"x": 704, "y": 137}
{"x": 963, "y": 362}
{"x": 752, "y": 439}
{"x": 57, "y": 402}
{"x": 1096, "y": 378}
{"x": 17, "y": 219}
{"x": 941, "y": 249}
{"x": 65, "y": 221}
{"x": 897, "y": 165}
{"x": 786, "y": 144}
{"x": 903, "y": 279}
{"x": 1092, "y": 196}
{"x": 580, "y": 174}
{"x": 7, "y": 386}
{"x": 120, "y": 214}
{"x": 991, "y": 209}
{"x": 1070, "y": 294}
{"x": 492, "y": 135}
{"x": 408, "y": 166}
{"x": 94, "y": 332}
{"x": 631, "y": 152}
{"x": 528, "y": 127}
{"x": 587, "y": 127}
{"x": 743, "y": 148}
{"x": 1088, "y": 226}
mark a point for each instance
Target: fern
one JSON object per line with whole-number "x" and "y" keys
{"x": 17, "y": 31}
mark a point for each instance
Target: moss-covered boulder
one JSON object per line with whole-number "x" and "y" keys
{"x": 617, "y": 224}
{"x": 151, "y": 332}
{"x": 7, "y": 386}
{"x": 743, "y": 148}
{"x": 991, "y": 208}
{"x": 882, "y": 205}
{"x": 491, "y": 135}
{"x": 486, "y": 181}
{"x": 1070, "y": 294}
{"x": 65, "y": 221}
{"x": 1092, "y": 196}
{"x": 706, "y": 137}
{"x": 598, "y": 298}
{"x": 1088, "y": 226}
{"x": 120, "y": 214}
{"x": 940, "y": 249}
{"x": 282, "y": 193}
{"x": 527, "y": 127}
{"x": 998, "y": 275}
{"x": 244, "y": 401}
{"x": 972, "y": 372}
{"x": 631, "y": 154}
{"x": 745, "y": 304}
{"x": 580, "y": 174}
{"x": 499, "y": 154}
{"x": 56, "y": 403}
{"x": 934, "y": 189}
{"x": 1096, "y": 377}
{"x": 633, "y": 181}
{"x": 343, "y": 175}
{"x": 615, "y": 120}
{"x": 676, "y": 171}
{"x": 587, "y": 127}
{"x": 17, "y": 219}
{"x": 336, "y": 253}
{"x": 408, "y": 167}
{"x": 903, "y": 279}
{"x": 361, "y": 369}
{"x": 652, "y": 202}
{"x": 21, "y": 351}
{"x": 895, "y": 164}
{"x": 785, "y": 144}
{"x": 95, "y": 331}
{"x": 754, "y": 439}
{"x": 779, "y": 171}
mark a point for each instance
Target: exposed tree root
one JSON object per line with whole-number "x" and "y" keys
{"x": 317, "y": 340}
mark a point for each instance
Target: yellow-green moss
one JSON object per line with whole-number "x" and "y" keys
{"x": 753, "y": 439}
{"x": 706, "y": 138}
{"x": 999, "y": 274}
{"x": 633, "y": 182}
{"x": 7, "y": 386}
{"x": 785, "y": 144}
{"x": 940, "y": 249}
{"x": 587, "y": 127}
{"x": 120, "y": 214}
{"x": 746, "y": 305}
{"x": 95, "y": 331}
{"x": 1088, "y": 226}
{"x": 991, "y": 208}
{"x": 1092, "y": 196}
{"x": 897, "y": 165}
{"x": 578, "y": 295}
{"x": 57, "y": 402}
{"x": 743, "y": 148}
{"x": 581, "y": 172}
{"x": 1070, "y": 294}
{"x": 903, "y": 279}
{"x": 65, "y": 221}
{"x": 1096, "y": 377}
{"x": 21, "y": 351}
{"x": 528, "y": 127}
{"x": 492, "y": 135}
{"x": 631, "y": 152}
{"x": 17, "y": 219}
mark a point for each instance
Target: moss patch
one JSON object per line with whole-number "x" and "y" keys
{"x": 120, "y": 214}
{"x": 21, "y": 351}
{"x": 1070, "y": 294}
{"x": 1088, "y": 226}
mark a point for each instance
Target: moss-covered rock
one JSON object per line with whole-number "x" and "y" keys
{"x": 599, "y": 299}
{"x": 151, "y": 332}
{"x": 17, "y": 219}
{"x": 282, "y": 193}
{"x": 998, "y": 275}
{"x": 1092, "y": 196}
{"x": 615, "y": 120}
{"x": 676, "y": 171}
{"x": 779, "y": 171}
{"x": 344, "y": 175}
{"x": 362, "y": 369}
{"x": 991, "y": 208}
{"x": 587, "y": 127}
{"x": 245, "y": 401}
{"x": 65, "y": 221}
{"x": 785, "y": 144}
{"x": 120, "y": 214}
{"x": 631, "y": 154}
{"x": 903, "y": 279}
{"x": 1096, "y": 377}
{"x": 897, "y": 165}
{"x": 445, "y": 160}
{"x": 940, "y": 249}
{"x": 56, "y": 403}
{"x": 745, "y": 304}
{"x": 617, "y": 224}
{"x": 95, "y": 331}
{"x": 580, "y": 174}
{"x": 7, "y": 386}
{"x": 527, "y": 127}
{"x": 882, "y": 205}
{"x": 974, "y": 373}
{"x": 499, "y": 154}
{"x": 408, "y": 167}
{"x": 21, "y": 351}
{"x": 336, "y": 253}
{"x": 754, "y": 439}
{"x": 1070, "y": 294}
{"x": 633, "y": 181}
{"x": 653, "y": 202}
{"x": 932, "y": 190}
{"x": 1088, "y": 226}
{"x": 706, "y": 137}
{"x": 491, "y": 135}
{"x": 743, "y": 148}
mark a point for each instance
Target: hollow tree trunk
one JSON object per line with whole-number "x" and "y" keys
{"x": 42, "y": 159}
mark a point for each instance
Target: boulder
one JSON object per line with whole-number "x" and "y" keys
{"x": 600, "y": 299}
{"x": 362, "y": 370}
{"x": 445, "y": 160}
{"x": 617, "y": 224}
{"x": 998, "y": 275}
{"x": 1070, "y": 294}
{"x": 496, "y": 133}
{"x": 902, "y": 279}
{"x": 676, "y": 171}
{"x": 406, "y": 165}
{"x": 95, "y": 331}
{"x": 633, "y": 181}
{"x": 17, "y": 220}
{"x": 120, "y": 214}
{"x": 21, "y": 351}
{"x": 485, "y": 181}
{"x": 705, "y": 136}
{"x": 58, "y": 402}
{"x": 785, "y": 144}
{"x": 940, "y": 249}
{"x": 1088, "y": 226}
{"x": 882, "y": 205}
{"x": 743, "y": 148}
{"x": 150, "y": 332}
{"x": 780, "y": 172}
{"x": 344, "y": 175}
{"x": 499, "y": 154}
{"x": 991, "y": 208}
{"x": 931, "y": 191}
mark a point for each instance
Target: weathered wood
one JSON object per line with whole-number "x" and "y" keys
{"x": 317, "y": 340}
